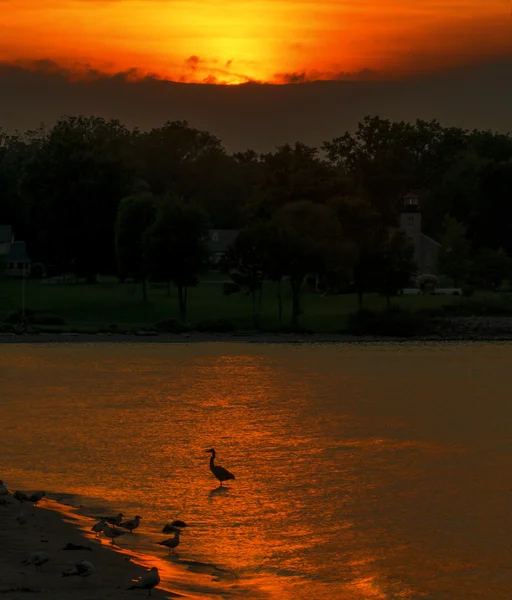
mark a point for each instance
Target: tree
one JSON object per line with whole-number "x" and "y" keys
{"x": 175, "y": 245}
{"x": 312, "y": 239}
{"x": 396, "y": 265}
{"x": 455, "y": 250}
{"x": 490, "y": 268}
{"x": 134, "y": 216}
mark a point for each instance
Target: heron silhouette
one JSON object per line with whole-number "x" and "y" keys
{"x": 220, "y": 473}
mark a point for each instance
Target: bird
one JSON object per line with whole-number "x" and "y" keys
{"x": 178, "y": 523}
{"x": 3, "y": 489}
{"x": 168, "y": 528}
{"x": 113, "y": 520}
{"x": 22, "y": 518}
{"x": 20, "y": 496}
{"x": 112, "y": 532}
{"x": 38, "y": 559}
{"x": 147, "y": 581}
{"x": 221, "y": 473}
{"x": 98, "y": 527}
{"x": 173, "y": 542}
{"x": 36, "y": 496}
{"x": 131, "y": 524}
{"x": 80, "y": 568}
{"x": 3, "y": 502}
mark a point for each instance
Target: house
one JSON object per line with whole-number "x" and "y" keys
{"x": 426, "y": 250}
{"x": 219, "y": 240}
{"x": 13, "y": 254}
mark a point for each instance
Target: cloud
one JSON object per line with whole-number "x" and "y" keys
{"x": 255, "y": 115}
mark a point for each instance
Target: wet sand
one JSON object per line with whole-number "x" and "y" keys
{"x": 50, "y": 528}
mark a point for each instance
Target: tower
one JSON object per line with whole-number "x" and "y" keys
{"x": 410, "y": 223}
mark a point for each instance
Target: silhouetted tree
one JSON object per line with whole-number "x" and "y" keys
{"x": 134, "y": 216}
{"x": 175, "y": 245}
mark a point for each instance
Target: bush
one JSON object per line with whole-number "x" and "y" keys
{"x": 468, "y": 290}
{"x": 47, "y": 320}
{"x": 390, "y": 323}
{"x": 217, "y": 326}
{"x": 229, "y": 287}
{"x": 37, "y": 271}
{"x": 427, "y": 283}
{"x": 171, "y": 326}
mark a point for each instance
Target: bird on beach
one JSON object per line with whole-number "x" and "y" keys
{"x": 20, "y": 496}
{"x": 113, "y": 520}
{"x": 112, "y": 533}
{"x": 80, "y": 568}
{"x": 98, "y": 527}
{"x": 147, "y": 581}
{"x": 131, "y": 524}
{"x": 36, "y": 496}
{"x": 170, "y": 528}
{"x": 38, "y": 559}
{"x": 3, "y": 489}
{"x": 22, "y": 518}
{"x": 3, "y": 502}
{"x": 220, "y": 473}
{"x": 172, "y": 543}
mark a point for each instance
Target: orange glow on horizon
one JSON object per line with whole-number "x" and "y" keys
{"x": 275, "y": 41}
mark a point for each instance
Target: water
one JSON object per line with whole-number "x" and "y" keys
{"x": 363, "y": 472}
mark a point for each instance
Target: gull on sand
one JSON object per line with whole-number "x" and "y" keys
{"x": 38, "y": 559}
{"x": 131, "y": 524}
{"x": 112, "y": 532}
{"x": 98, "y": 527}
{"x": 80, "y": 568}
{"x": 173, "y": 542}
{"x": 147, "y": 581}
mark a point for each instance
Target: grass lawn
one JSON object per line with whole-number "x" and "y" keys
{"x": 93, "y": 307}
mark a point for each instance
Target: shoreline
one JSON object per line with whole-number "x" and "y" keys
{"x": 257, "y": 338}
{"x": 50, "y": 527}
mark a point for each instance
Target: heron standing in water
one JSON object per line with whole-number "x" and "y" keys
{"x": 221, "y": 473}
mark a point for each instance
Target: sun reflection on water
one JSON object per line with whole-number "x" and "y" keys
{"x": 345, "y": 488}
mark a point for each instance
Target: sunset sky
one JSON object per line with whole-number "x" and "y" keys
{"x": 277, "y": 41}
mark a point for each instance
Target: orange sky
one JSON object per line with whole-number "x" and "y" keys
{"x": 266, "y": 40}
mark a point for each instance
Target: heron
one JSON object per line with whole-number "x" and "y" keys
{"x": 221, "y": 473}
{"x": 147, "y": 581}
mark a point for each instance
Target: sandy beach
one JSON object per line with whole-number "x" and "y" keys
{"x": 50, "y": 528}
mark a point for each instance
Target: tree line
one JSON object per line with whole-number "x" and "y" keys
{"x": 93, "y": 196}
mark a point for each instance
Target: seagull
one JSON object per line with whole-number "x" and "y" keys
{"x": 147, "y": 581}
{"x": 112, "y": 532}
{"x": 36, "y": 496}
{"x": 113, "y": 520}
{"x": 173, "y": 542}
{"x": 168, "y": 528}
{"x": 221, "y": 473}
{"x": 20, "y": 496}
{"x": 132, "y": 524}
{"x": 81, "y": 568}
{"x": 178, "y": 523}
{"x": 22, "y": 518}
{"x": 3, "y": 502}
{"x": 98, "y": 527}
{"x": 38, "y": 559}
{"x": 3, "y": 489}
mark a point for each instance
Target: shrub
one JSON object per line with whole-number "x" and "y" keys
{"x": 217, "y": 326}
{"x": 47, "y": 320}
{"x": 390, "y": 323}
{"x": 37, "y": 271}
{"x": 171, "y": 326}
{"x": 427, "y": 283}
{"x": 230, "y": 287}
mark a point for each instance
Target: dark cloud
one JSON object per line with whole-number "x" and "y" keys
{"x": 256, "y": 115}
{"x": 192, "y": 62}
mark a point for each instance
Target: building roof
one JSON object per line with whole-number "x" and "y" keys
{"x": 18, "y": 253}
{"x": 219, "y": 240}
{"x": 5, "y": 233}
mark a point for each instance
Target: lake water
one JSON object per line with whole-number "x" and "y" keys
{"x": 372, "y": 471}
